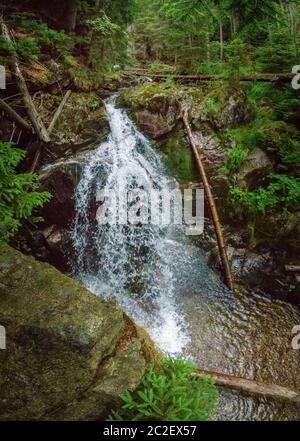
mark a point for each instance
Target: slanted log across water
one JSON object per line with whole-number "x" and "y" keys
{"x": 251, "y": 387}
{"x": 212, "y": 205}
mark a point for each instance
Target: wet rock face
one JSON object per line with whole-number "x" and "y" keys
{"x": 61, "y": 182}
{"x": 62, "y": 360}
{"x": 51, "y": 242}
{"x": 155, "y": 125}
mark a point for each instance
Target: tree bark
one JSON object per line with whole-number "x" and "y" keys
{"x": 212, "y": 205}
{"x": 251, "y": 387}
{"x": 71, "y": 15}
{"x": 221, "y": 41}
{"x": 292, "y": 269}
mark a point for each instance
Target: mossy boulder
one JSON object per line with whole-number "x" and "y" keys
{"x": 62, "y": 360}
{"x": 155, "y": 108}
{"x": 257, "y": 166}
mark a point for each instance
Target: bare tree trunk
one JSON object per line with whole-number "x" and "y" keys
{"x": 34, "y": 116}
{"x": 71, "y": 15}
{"x": 221, "y": 41}
{"x": 50, "y": 129}
{"x": 15, "y": 116}
{"x": 212, "y": 205}
{"x": 58, "y": 111}
{"x": 251, "y": 387}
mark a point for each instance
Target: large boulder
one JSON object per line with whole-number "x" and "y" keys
{"x": 155, "y": 109}
{"x": 68, "y": 354}
{"x": 257, "y": 166}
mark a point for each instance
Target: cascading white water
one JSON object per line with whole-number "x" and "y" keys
{"x": 129, "y": 263}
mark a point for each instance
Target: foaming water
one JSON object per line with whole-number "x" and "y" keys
{"x": 164, "y": 283}
{"x": 128, "y": 263}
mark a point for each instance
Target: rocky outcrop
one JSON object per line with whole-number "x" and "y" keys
{"x": 257, "y": 166}
{"x": 157, "y": 113}
{"x": 68, "y": 353}
{"x": 50, "y": 241}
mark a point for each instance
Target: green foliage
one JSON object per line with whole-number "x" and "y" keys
{"x": 17, "y": 198}
{"x": 236, "y": 158}
{"x": 102, "y": 25}
{"x": 5, "y": 46}
{"x": 237, "y": 56}
{"x": 277, "y": 54}
{"x": 45, "y": 35}
{"x": 170, "y": 394}
{"x": 283, "y": 192}
{"x": 179, "y": 160}
{"x": 28, "y": 47}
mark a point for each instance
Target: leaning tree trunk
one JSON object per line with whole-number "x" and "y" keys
{"x": 212, "y": 205}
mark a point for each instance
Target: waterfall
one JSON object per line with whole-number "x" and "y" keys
{"x": 128, "y": 263}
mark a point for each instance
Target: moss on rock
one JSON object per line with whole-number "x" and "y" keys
{"x": 61, "y": 345}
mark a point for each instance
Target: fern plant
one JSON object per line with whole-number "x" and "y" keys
{"x": 283, "y": 192}
{"x": 17, "y": 196}
{"x": 170, "y": 393}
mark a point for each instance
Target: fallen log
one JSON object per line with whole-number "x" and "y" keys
{"x": 273, "y": 78}
{"x": 251, "y": 387}
{"x": 33, "y": 114}
{"x": 58, "y": 112}
{"x": 15, "y": 116}
{"x": 50, "y": 129}
{"x": 292, "y": 269}
{"x": 212, "y": 205}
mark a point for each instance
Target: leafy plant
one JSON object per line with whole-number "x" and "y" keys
{"x": 282, "y": 192}
{"x": 170, "y": 393}
{"x": 28, "y": 47}
{"x": 236, "y": 158}
{"x": 17, "y": 198}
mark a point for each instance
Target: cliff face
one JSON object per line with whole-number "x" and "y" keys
{"x": 69, "y": 355}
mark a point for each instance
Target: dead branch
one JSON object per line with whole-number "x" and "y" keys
{"x": 58, "y": 111}
{"x": 14, "y": 116}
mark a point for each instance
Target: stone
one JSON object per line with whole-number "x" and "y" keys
{"x": 62, "y": 360}
{"x": 257, "y": 166}
{"x": 234, "y": 112}
{"x": 60, "y": 180}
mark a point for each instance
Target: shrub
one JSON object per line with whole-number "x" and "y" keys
{"x": 17, "y": 200}
{"x": 28, "y": 47}
{"x": 283, "y": 192}
{"x": 170, "y": 394}
{"x": 236, "y": 158}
